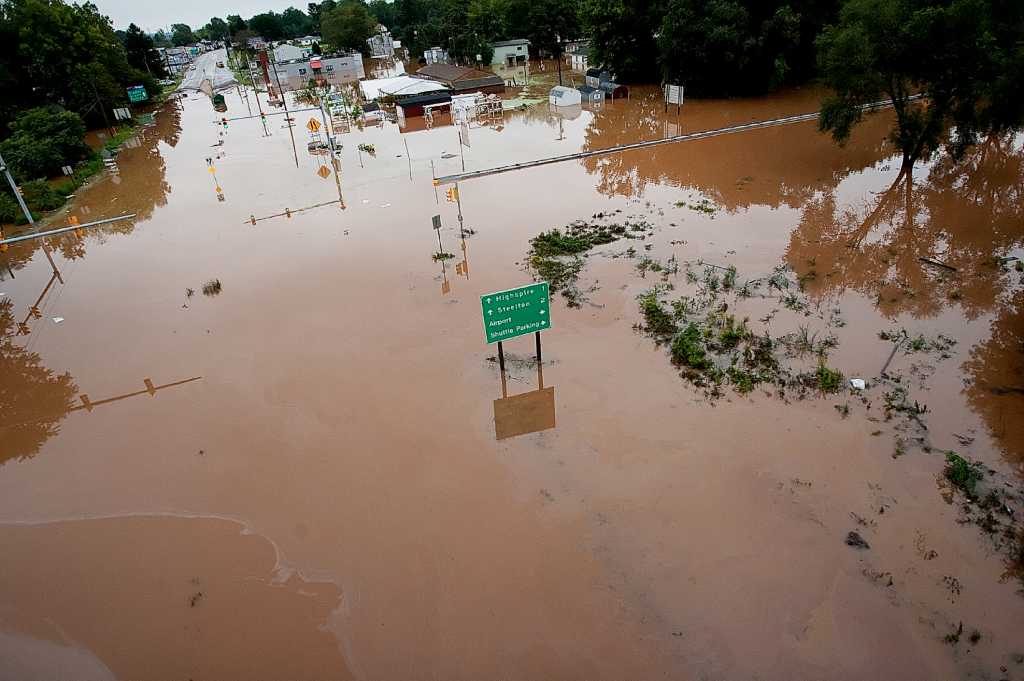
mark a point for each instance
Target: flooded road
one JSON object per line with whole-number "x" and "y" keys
{"x": 242, "y": 442}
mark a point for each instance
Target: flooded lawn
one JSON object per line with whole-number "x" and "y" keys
{"x": 223, "y": 440}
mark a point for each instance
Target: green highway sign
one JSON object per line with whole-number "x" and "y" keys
{"x": 137, "y": 93}
{"x": 516, "y": 312}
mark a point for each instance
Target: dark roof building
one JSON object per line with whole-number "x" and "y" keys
{"x": 462, "y": 78}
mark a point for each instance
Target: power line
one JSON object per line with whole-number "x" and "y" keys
{"x": 705, "y": 134}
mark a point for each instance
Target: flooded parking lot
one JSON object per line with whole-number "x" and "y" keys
{"x": 269, "y": 450}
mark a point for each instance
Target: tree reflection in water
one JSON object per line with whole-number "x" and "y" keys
{"x": 33, "y": 399}
{"x": 965, "y": 214}
{"x": 142, "y": 168}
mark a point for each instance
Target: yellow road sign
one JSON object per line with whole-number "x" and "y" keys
{"x": 324, "y": 172}
{"x": 313, "y": 125}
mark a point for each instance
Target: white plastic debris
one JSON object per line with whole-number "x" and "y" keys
{"x": 858, "y": 383}
{"x": 58, "y": 320}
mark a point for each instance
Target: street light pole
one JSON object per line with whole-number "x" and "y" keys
{"x": 28, "y": 214}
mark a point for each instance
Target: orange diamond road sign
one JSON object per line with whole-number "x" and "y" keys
{"x": 324, "y": 172}
{"x": 313, "y": 125}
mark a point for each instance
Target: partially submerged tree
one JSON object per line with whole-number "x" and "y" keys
{"x": 951, "y": 69}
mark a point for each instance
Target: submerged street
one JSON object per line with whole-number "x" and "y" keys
{"x": 270, "y": 450}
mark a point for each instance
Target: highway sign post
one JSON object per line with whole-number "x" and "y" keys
{"x": 516, "y": 312}
{"x": 137, "y": 93}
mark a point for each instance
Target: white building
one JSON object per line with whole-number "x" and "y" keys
{"x": 382, "y": 45}
{"x": 435, "y": 55}
{"x": 334, "y": 69}
{"x": 510, "y": 52}
{"x": 286, "y": 52}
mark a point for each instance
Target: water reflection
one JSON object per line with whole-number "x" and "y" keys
{"x": 996, "y": 370}
{"x": 33, "y": 399}
{"x": 772, "y": 167}
{"x": 528, "y": 412}
{"x": 964, "y": 215}
{"x": 142, "y": 169}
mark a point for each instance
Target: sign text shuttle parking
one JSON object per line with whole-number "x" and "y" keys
{"x": 516, "y": 312}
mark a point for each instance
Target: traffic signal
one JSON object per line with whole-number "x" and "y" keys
{"x": 224, "y": 122}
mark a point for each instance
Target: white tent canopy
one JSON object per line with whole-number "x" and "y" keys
{"x": 399, "y": 85}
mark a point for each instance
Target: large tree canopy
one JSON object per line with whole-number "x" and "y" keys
{"x": 141, "y": 52}
{"x": 348, "y": 26}
{"x": 44, "y": 139}
{"x": 964, "y": 58}
{"x": 55, "y": 53}
{"x": 181, "y": 34}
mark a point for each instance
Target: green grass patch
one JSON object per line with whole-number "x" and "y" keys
{"x": 688, "y": 349}
{"x": 829, "y": 380}
{"x": 964, "y": 474}
{"x": 656, "y": 319}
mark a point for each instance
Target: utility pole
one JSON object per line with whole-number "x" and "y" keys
{"x": 558, "y": 56}
{"x": 256, "y": 93}
{"x": 287, "y": 118}
{"x": 28, "y": 214}
{"x": 100, "y": 103}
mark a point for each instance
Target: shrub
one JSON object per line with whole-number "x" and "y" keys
{"x": 44, "y": 139}
{"x": 40, "y": 195}
{"x": 688, "y": 349}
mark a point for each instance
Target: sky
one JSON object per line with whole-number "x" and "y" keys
{"x": 156, "y": 14}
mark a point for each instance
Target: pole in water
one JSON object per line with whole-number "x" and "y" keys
{"x": 501, "y": 358}
{"x": 28, "y": 214}
{"x": 458, "y": 202}
{"x": 284, "y": 100}
{"x": 461, "y": 153}
{"x": 433, "y": 175}
{"x": 538, "y": 348}
{"x": 409, "y": 158}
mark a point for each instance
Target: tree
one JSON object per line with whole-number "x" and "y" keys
{"x": 295, "y": 23}
{"x": 236, "y": 23}
{"x": 267, "y": 25}
{"x": 44, "y": 139}
{"x": 141, "y": 52}
{"x": 384, "y": 12}
{"x": 216, "y": 29}
{"x": 348, "y": 26}
{"x": 181, "y": 34}
{"x": 52, "y": 52}
{"x": 622, "y": 35}
{"x": 725, "y": 47}
{"x": 551, "y": 20}
{"x": 965, "y": 58}
{"x": 161, "y": 39}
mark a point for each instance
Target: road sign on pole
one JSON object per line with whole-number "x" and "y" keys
{"x": 137, "y": 93}
{"x": 516, "y": 312}
{"x": 313, "y": 125}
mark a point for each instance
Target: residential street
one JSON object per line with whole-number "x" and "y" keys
{"x": 205, "y": 67}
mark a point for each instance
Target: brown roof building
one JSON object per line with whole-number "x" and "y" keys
{"x": 462, "y": 78}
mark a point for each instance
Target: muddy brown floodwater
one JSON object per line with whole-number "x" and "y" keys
{"x": 269, "y": 451}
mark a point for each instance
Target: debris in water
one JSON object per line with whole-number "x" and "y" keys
{"x": 856, "y": 541}
{"x": 858, "y": 383}
{"x": 58, "y": 320}
{"x": 212, "y": 287}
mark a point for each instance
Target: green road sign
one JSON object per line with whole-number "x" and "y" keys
{"x": 516, "y": 312}
{"x": 137, "y": 93}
